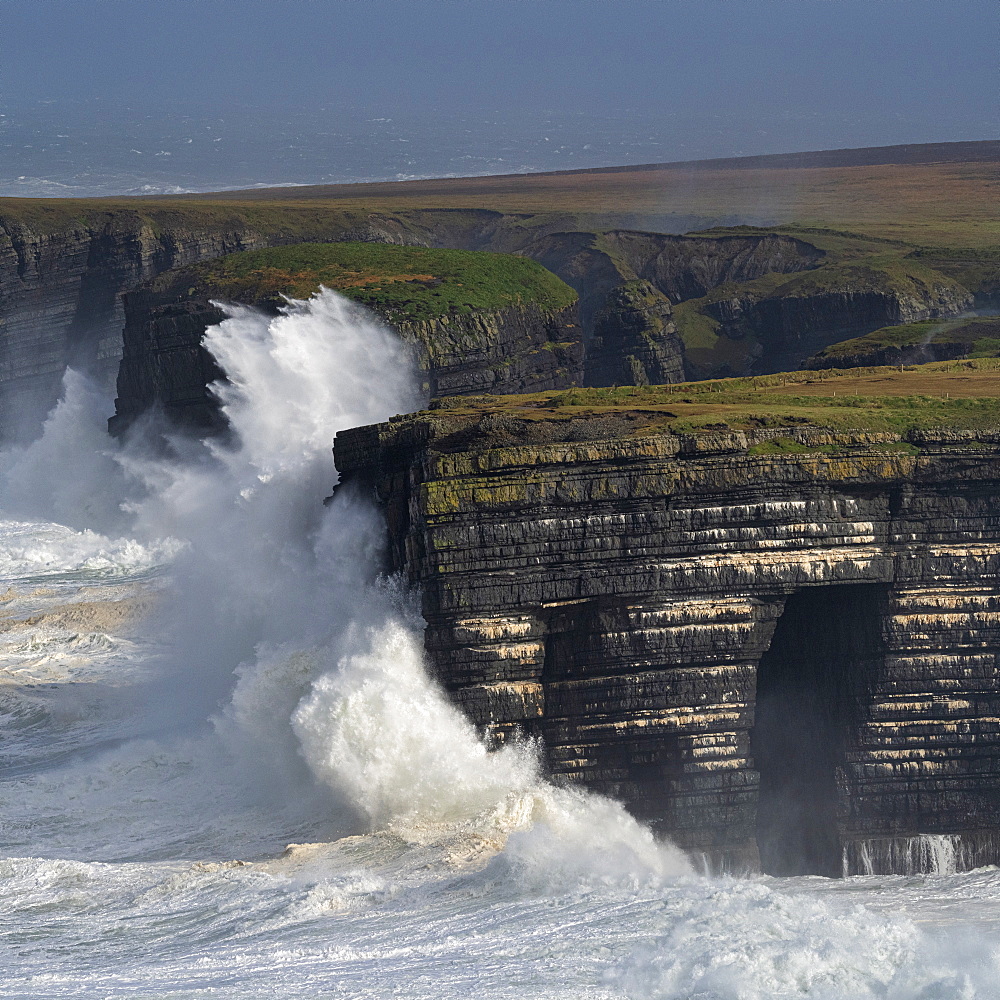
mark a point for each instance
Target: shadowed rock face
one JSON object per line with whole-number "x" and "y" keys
{"x": 916, "y": 344}
{"x": 634, "y": 340}
{"x": 686, "y": 267}
{"x": 627, "y": 280}
{"x": 519, "y": 349}
{"x": 792, "y": 327}
{"x": 788, "y": 658}
{"x": 60, "y": 305}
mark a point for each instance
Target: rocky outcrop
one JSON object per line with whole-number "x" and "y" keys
{"x": 59, "y": 301}
{"x": 523, "y": 348}
{"x": 779, "y": 646}
{"x": 674, "y": 268}
{"x": 914, "y": 344}
{"x": 518, "y": 349}
{"x": 686, "y": 267}
{"x": 792, "y": 327}
{"x": 62, "y": 273}
{"x": 769, "y": 326}
{"x": 64, "y": 265}
{"x": 889, "y": 354}
{"x": 165, "y": 365}
{"x": 634, "y": 340}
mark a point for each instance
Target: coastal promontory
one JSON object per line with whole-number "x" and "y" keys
{"x": 763, "y": 612}
{"x": 477, "y": 321}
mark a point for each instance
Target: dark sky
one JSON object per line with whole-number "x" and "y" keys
{"x": 918, "y": 59}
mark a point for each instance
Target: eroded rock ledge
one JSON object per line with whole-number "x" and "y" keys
{"x": 777, "y": 643}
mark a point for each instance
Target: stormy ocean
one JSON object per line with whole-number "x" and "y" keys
{"x": 69, "y": 148}
{"x": 225, "y": 772}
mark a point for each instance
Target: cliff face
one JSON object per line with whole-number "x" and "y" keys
{"x": 516, "y": 349}
{"x": 523, "y": 348}
{"x": 686, "y": 267}
{"x": 778, "y": 645}
{"x": 794, "y": 326}
{"x": 634, "y": 340}
{"x": 740, "y": 297}
{"x": 608, "y": 269}
{"x": 771, "y": 325}
{"x": 914, "y": 343}
{"x": 61, "y": 280}
{"x": 59, "y": 302}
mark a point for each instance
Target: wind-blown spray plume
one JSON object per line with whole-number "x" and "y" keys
{"x": 310, "y": 670}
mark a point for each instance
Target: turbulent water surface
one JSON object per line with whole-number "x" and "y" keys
{"x": 225, "y": 773}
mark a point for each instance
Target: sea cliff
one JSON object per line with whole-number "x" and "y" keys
{"x": 764, "y": 616}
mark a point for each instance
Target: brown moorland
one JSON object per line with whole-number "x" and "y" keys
{"x": 917, "y": 194}
{"x": 920, "y": 194}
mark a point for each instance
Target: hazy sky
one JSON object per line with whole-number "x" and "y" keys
{"x": 923, "y": 60}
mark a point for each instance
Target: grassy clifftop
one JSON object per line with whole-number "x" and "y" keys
{"x": 959, "y": 396}
{"x": 404, "y": 283}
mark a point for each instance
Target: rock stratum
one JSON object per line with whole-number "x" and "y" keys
{"x": 765, "y": 614}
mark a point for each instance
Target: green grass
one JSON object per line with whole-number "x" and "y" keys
{"x": 788, "y": 446}
{"x": 404, "y": 283}
{"x": 959, "y": 395}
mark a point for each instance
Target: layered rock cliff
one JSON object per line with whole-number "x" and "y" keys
{"x": 776, "y": 640}
{"x": 634, "y": 340}
{"x": 621, "y": 274}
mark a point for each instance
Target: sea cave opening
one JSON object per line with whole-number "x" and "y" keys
{"x": 811, "y": 684}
